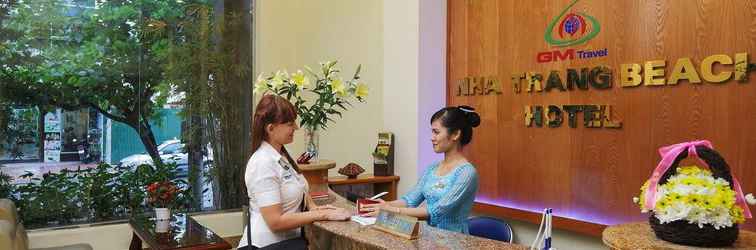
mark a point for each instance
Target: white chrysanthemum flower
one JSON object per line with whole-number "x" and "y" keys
{"x": 720, "y": 218}
{"x": 673, "y": 212}
{"x": 683, "y": 189}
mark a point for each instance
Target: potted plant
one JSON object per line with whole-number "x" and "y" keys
{"x": 316, "y": 104}
{"x": 161, "y": 195}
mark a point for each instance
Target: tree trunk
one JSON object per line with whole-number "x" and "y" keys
{"x": 41, "y": 133}
{"x": 148, "y": 140}
{"x": 195, "y": 149}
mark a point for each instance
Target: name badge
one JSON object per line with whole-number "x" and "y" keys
{"x": 287, "y": 175}
{"x": 283, "y": 164}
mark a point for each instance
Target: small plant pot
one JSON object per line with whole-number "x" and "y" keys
{"x": 162, "y": 226}
{"x": 162, "y": 214}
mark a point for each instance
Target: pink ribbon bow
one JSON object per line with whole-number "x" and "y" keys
{"x": 669, "y": 153}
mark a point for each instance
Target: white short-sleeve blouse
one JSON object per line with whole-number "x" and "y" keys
{"x": 271, "y": 180}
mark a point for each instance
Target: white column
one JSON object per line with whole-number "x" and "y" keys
{"x": 414, "y": 80}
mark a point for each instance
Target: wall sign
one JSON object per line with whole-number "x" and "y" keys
{"x": 649, "y": 73}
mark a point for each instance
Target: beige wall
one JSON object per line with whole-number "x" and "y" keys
{"x": 400, "y": 28}
{"x": 294, "y": 33}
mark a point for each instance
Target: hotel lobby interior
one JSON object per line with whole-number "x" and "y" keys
{"x": 131, "y": 124}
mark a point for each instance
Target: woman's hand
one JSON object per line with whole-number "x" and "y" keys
{"x": 336, "y": 214}
{"x": 324, "y": 207}
{"x": 373, "y": 209}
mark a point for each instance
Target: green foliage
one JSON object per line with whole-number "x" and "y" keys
{"x": 20, "y": 128}
{"x": 6, "y": 184}
{"x": 51, "y": 198}
{"x": 101, "y": 193}
{"x": 106, "y": 58}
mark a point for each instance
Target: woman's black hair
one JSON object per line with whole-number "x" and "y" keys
{"x": 462, "y": 118}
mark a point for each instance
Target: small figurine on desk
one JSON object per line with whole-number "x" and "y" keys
{"x": 351, "y": 170}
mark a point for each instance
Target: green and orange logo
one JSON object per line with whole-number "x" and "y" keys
{"x": 571, "y": 28}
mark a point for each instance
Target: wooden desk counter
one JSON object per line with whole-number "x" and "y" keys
{"x": 640, "y": 236}
{"x": 351, "y": 235}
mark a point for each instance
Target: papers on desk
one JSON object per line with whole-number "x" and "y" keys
{"x": 363, "y": 220}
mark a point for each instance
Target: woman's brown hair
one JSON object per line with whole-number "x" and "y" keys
{"x": 272, "y": 109}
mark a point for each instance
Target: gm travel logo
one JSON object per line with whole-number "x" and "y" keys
{"x": 568, "y": 29}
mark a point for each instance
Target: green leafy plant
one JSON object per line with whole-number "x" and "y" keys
{"x": 50, "y": 199}
{"x": 99, "y": 193}
{"x": 6, "y": 184}
{"x": 96, "y": 194}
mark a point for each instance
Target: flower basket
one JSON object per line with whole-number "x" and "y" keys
{"x": 694, "y": 206}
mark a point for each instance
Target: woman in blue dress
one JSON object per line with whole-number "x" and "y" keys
{"x": 447, "y": 187}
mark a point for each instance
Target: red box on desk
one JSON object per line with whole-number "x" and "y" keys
{"x": 361, "y": 202}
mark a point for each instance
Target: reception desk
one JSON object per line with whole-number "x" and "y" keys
{"x": 351, "y": 235}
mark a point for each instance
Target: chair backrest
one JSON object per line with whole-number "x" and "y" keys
{"x": 12, "y": 232}
{"x": 491, "y": 228}
{"x": 245, "y": 215}
{"x": 8, "y": 210}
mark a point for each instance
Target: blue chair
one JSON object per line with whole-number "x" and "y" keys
{"x": 491, "y": 228}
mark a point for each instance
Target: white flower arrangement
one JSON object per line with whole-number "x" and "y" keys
{"x": 330, "y": 94}
{"x": 696, "y": 196}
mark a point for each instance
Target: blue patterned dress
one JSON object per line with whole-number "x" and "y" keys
{"x": 449, "y": 198}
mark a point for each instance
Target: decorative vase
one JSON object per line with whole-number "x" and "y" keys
{"x": 162, "y": 226}
{"x": 312, "y": 143}
{"x": 162, "y": 213}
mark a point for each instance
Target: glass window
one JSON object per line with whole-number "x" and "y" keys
{"x": 103, "y": 98}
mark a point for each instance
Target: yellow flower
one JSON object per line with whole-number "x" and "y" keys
{"x": 337, "y": 87}
{"x": 260, "y": 79}
{"x": 300, "y": 80}
{"x": 690, "y": 170}
{"x": 662, "y": 204}
{"x": 675, "y": 197}
{"x": 642, "y": 197}
{"x": 708, "y": 203}
{"x": 695, "y": 200}
{"x": 361, "y": 91}
{"x": 737, "y": 214}
{"x": 260, "y": 85}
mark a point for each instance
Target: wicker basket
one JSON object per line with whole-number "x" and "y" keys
{"x": 682, "y": 232}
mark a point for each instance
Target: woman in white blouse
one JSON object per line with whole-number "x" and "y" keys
{"x": 274, "y": 184}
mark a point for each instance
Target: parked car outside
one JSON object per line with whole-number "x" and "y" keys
{"x": 171, "y": 151}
